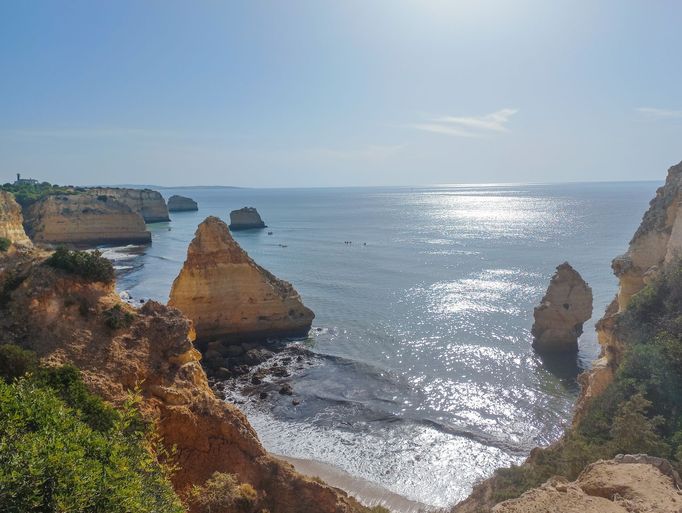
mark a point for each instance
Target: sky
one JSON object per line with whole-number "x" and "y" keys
{"x": 339, "y": 93}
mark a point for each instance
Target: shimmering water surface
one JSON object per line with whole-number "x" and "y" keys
{"x": 424, "y": 380}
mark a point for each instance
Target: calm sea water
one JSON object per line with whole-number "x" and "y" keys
{"x": 424, "y": 379}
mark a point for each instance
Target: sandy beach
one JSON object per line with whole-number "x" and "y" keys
{"x": 368, "y": 493}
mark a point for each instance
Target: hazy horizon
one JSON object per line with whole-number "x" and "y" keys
{"x": 309, "y": 93}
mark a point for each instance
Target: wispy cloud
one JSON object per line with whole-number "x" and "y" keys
{"x": 655, "y": 113}
{"x": 468, "y": 126}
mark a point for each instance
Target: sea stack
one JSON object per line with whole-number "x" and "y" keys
{"x": 245, "y": 218}
{"x": 11, "y": 220}
{"x": 559, "y": 317}
{"x": 229, "y": 296}
{"x": 181, "y": 204}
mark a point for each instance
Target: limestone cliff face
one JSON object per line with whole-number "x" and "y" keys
{"x": 61, "y": 318}
{"x": 146, "y": 202}
{"x": 245, "y": 219}
{"x": 629, "y": 484}
{"x": 228, "y": 295}
{"x": 181, "y": 204}
{"x": 84, "y": 219}
{"x": 11, "y": 220}
{"x": 559, "y": 318}
{"x": 657, "y": 241}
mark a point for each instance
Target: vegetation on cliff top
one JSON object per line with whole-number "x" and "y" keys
{"x": 28, "y": 193}
{"x": 64, "y": 449}
{"x": 91, "y": 266}
{"x": 640, "y": 412}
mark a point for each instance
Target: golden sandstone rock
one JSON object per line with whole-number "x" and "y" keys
{"x": 84, "y": 219}
{"x": 11, "y": 220}
{"x": 559, "y": 318}
{"x": 229, "y": 296}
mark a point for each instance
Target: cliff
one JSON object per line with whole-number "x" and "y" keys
{"x": 228, "y": 295}
{"x": 245, "y": 219}
{"x": 11, "y": 220}
{"x": 181, "y": 204}
{"x": 63, "y": 319}
{"x": 146, "y": 202}
{"x": 559, "y": 318}
{"x": 84, "y": 219}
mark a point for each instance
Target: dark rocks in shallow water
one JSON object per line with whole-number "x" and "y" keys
{"x": 263, "y": 395}
{"x": 280, "y": 372}
{"x": 256, "y": 380}
{"x": 295, "y": 402}
{"x": 286, "y": 389}
{"x": 257, "y": 356}
{"x": 246, "y": 218}
{"x": 223, "y": 373}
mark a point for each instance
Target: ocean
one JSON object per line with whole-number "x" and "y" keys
{"x": 424, "y": 380}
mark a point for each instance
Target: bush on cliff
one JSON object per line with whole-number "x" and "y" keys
{"x": 64, "y": 449}
{"x": 91, "y": 266}
{"x": 117, "y": 317}
{"x": 222, "y": 492}
{"x": 5, "y": 243}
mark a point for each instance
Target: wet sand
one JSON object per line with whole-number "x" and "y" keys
{"x": 369, "y": 494}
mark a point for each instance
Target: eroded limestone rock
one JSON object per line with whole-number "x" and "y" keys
{"x": 181, "y": 204}
{"x": 11, "y": 220}
{"x": 146, "y": 202}
{"x": 228, "y": 295}
{"x": 245, "y": 219}
{"x": 559, "y": 318}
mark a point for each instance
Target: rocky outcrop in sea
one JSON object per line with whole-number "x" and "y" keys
{"x": 246, "y": 218}
{"x": 146, "y": 202}
{"x": 231, "y": 297}
{"x": 181, "y": 204}
{"x": 559, "y": 317}
{"x": 84, "y": 219}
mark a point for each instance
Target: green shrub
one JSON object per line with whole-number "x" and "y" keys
{"x": 15, "y": 362}
{"x": 4, "y": 244}
{"x": 116, "y": 317}
{"x": 222, "y": 492}
{"x": 52, "y": 461}
{"x": 27, "y": 194}
{"x": 91, "y": 266}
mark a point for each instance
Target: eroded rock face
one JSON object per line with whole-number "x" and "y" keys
{"x": 656, "y": 243}
{"x": 84, "y": 219}
{"x": 228, "y": 295}
{"x": 61, "y": 318}
{"x": 11, "y": 220}
{"x": 146, "y": 202}
{"x": 559, "y": 318}
{"x": 625, "y": 485}
{"x": 245, "y": 219}
{"x": 181, "y": 204}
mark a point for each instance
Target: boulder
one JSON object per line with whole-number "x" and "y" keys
{"x": 181, "y": 204}
{"x": 231, "y": 297}
{"x": 559, "y": 318}
{"x": 245, "y": 219}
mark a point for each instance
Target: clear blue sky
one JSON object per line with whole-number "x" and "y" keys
{"x": 297, "y": 93}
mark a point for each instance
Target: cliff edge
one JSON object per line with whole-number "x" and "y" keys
{"x": 11, "y": 220}
{"x": 65, "y": 318}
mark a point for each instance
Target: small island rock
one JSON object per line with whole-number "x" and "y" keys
{"x": 181, "y": 204}
{"x": 229, "y": 296}
{"x": 559, "y": 318}
{"x": 245, "y": 219}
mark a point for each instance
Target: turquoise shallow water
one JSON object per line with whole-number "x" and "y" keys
{"x": 424, "y": 379}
